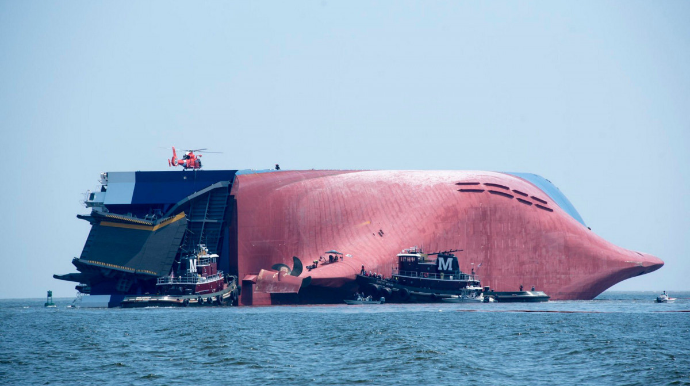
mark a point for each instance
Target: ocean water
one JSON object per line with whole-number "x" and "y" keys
{"x": 618, "y": 338}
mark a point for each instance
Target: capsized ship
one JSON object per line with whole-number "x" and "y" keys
{"x": 514, "y": 228}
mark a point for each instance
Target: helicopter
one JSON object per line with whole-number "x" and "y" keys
{"x": 189, "y": 160}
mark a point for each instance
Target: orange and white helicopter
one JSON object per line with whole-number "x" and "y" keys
{"x": 189, "y": 159}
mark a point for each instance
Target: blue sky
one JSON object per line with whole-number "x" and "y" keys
{"x": 594, "y": 96}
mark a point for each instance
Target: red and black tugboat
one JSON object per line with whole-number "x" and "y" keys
{"x": 194, "y": 281}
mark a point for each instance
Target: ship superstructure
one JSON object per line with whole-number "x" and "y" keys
{"x": 144, "y": 222}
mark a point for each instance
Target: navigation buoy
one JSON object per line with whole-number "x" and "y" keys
{"x": 49, "y": 300}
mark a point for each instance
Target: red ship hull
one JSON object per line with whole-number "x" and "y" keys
{"x": 512, "y": 233}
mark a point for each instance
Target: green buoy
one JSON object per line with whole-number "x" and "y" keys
{"x": 49, "y": 300}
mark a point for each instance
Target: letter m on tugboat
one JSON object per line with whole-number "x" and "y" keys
{"x": 445, "y": 264}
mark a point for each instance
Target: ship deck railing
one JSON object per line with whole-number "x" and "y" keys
{"x": 438, "y": 276}
{"x": 167, "y": 280}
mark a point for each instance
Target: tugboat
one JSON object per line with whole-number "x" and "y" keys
{"x": 196, "y": 281}
{"x": 420, "y": 278}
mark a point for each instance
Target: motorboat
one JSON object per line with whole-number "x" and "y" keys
{"x": 363, "y": 300}
{"x": 468, "y": 297}
{"x": 664, "y": 298}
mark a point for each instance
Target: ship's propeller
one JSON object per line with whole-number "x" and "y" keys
{"x": 296, "y": 266}
{"x": 296, "y": 270}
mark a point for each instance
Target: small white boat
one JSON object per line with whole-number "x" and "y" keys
{"x": 366, "y": 300}
{"x": 356, "y": 302}
{"x": 471, "y": 294}
{"x": 467, "y": 298}
{"x": 664, "y": 298}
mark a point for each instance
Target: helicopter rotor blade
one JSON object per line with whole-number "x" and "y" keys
{"x": 202, "y": 150}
